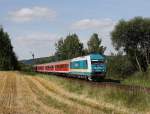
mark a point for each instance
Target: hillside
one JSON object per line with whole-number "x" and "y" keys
{"x": 38, "y": 60}
{"x": 45, "y": 94}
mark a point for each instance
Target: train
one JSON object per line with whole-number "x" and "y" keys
{"x": 91, "y": 67}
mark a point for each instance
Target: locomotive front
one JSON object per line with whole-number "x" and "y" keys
{"x": 92, "y": 66}
{"x": 98, "y": 66}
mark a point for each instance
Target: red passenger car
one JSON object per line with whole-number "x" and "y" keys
{"x": 40, "y": 68}
{"x": 59, "y": 67}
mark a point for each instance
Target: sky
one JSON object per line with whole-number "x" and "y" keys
{"x": 35, "y": 26}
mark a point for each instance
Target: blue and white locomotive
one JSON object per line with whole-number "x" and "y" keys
{"x": 91, "y": 67}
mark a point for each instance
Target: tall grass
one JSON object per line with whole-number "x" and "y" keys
{"x": 139, "y": 79}
{"x": 134, "y": 101}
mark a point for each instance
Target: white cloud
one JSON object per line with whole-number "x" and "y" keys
{"x": 93, "y": 23}
{"x": 36, "y": 38}
{"x": 42, "y": 44}
{"x": 28, "y": 14}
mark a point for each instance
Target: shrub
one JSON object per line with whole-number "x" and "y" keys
{"x": 119, "y": 66}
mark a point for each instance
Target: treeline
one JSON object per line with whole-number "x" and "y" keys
{"x": 71, "y": 46}
{"x": 119, "y": 66}
{"x": 8, "y": 59}
{"x": 133, "y": 39}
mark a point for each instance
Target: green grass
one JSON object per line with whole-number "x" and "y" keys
{"x": 133, "y": 100}
{"x": 138, "y": 79}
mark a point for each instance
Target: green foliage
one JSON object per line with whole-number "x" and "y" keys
{"x": 139, "y": 79}
{"x": 131, "y": 99}
{"x": 26, "y": 68}
{"x": 133, "y": 37}
{"x": 8, "y": 59}
{"x": 118, "y": 66}
{"x": 59, "y": 49}
{"x": 94, "y": 44}
{"x": 69, "y": 47}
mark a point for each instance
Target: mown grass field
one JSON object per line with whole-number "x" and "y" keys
{"x": 44, "y": 94}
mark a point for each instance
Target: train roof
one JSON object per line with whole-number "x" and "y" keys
{"x": 63, "y": 61}
{"x": 92, "y": 55}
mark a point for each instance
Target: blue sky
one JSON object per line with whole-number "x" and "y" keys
{"x": 35, "y": 26}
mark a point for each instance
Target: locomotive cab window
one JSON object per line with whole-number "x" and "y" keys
{"x": 97, "y": 62}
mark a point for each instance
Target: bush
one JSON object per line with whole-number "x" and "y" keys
{"x": 119, "y": 66}
{"x": 26, "y": 68}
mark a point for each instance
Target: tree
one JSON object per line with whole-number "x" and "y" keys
{"x": 69, "y": 48}
{"x": 94, "y": 44}
{"x": 8, "y": 59}
{"x": 59, "y": 49}
{"x": 119, "y": 66}
{"x": 133, "y": 37}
